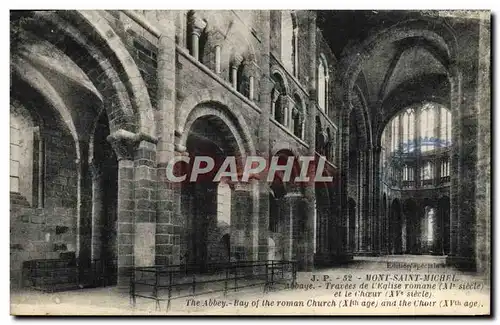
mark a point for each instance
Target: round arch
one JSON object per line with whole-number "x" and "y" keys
{"x": 96, "y": 48}
{"x": 220, "y": 112}
{"x": 208, "y": 102}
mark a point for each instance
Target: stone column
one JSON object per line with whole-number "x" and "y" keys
{"x": 310, "y": 194}
{"x": 343, "y": 209}
{"x": 261, "y": 204}
{"x": 84, "y": 210}
{"x": 235, "y": 64}
{"x": 125, "y": 206}
{"x": 145, "y": 203}
{"x": 288, "y": 218}
{"x": 463, "y": 171}
{"x": 483, "y": 178}
{"x": 136, "y": 156}
{"x": 241, "y": 222}
{"x": 168, "y": 215}
{"x": 376, "y": 210}
{"x": 97, "y": 209}
{"x": 197, "y": 27}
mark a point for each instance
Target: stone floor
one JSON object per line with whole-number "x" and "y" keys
{"x": 315, "y": 295}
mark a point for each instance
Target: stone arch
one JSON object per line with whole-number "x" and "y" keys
{"x": 34, "y": 78}
{"x": 276, "y": 70}
{"x": 359, "y": 107}
{"x": 235, "y": 124}
{"x": 209, "y": 102}
{"x": 439, "y": 35}
{"x": 106, "y": 62}
{"x": 283, "y": 146}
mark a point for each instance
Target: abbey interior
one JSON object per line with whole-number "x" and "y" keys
{"x": 396, "y": 102}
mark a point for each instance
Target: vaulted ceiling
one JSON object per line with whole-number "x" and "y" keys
{"x": 410, "y": 66}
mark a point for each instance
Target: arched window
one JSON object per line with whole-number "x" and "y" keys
{"x": 427, "y": 127}
{"x": 279, "y": 100}
{"x": 445, "y": 168}
{"x": 323, "y": 84}
{"x": 409, "y": 131}
{"x": 289, "y": 41}
{"x": 445, "y": 125}
{"x": 427, "y": 173}
{"x": 26, "y": 158}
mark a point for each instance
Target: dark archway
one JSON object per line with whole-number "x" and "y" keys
{"x": 410, "y": 211}
{"x": 352, "y": 224}
{"x": 384, "y": 225}
{"x": 396, "y": 223}
{"x": 443, "y": 220}
{"x": 104, "y": 167}
{"x": 208, "y": 136}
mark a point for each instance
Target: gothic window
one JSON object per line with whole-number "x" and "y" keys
{"x": 289, "y": 41}
{"x": 323, "y": 84}
{"x": 427, "y": 172}
{"x": 409, "y": 131}
{"x": 445, "y": 168}
{"x": 445, "y": 125}
{"x": 427, "y": 128}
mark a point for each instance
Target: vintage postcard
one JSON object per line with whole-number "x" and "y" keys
{"x": 250, "y": 162}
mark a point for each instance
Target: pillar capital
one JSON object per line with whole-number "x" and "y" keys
{"x": 236, "y": 60}
{"x": 197, "y": 24}
{"x": 125, "y": 143}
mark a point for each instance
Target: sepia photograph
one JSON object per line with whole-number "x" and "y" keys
{"x": 250, "y": 162}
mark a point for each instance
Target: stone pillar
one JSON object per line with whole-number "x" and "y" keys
{"x": 343, "y": 209}
{"x": 125, "y": 206}
{"x": 235, "y": 64}
{"x": 241, "y": 221}
{"x": 84, "y": 209}
{"x": 136, "y": 156}
{"x": 169, "y": 220}
{"x": 483, "y": 178}
{"x": 376, "y": 209}
{"x": 145, "y": 203}
{"x": 97, "y": 209}
{"x": 310, "y": 193}
{"x": 464, "y": 165}
{"x": 288, "y": 218}
{"x": 261, "y": 205}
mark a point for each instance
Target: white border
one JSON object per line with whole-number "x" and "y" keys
{"x": 147, "y": 4}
